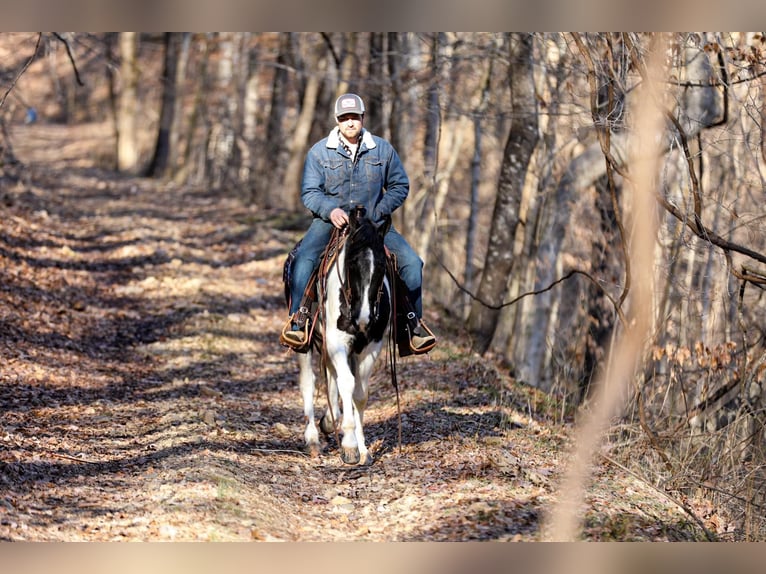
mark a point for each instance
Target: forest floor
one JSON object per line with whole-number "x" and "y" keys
{"x": 144, "y": 394}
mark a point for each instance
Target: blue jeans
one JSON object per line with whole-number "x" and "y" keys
{"x": 312, "y": 246}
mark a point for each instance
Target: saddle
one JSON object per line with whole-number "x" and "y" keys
{"x": 405, "y": 319}
{"x": 308, "y": 312}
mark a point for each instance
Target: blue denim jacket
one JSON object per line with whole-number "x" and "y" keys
{"x": 376, "y": 179}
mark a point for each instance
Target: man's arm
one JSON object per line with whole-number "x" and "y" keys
{"x": 397, "y": 186}
{"x": 312, "y": 188}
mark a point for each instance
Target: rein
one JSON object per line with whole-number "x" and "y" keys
{"x": 391, "y": 269}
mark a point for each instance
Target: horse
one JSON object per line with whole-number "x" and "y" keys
{"x": 355, "y": 311}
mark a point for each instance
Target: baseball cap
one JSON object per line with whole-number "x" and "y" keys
{"x": 349, "y": 104}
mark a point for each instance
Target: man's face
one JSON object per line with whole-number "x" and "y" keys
{"x": 350, "y": 126}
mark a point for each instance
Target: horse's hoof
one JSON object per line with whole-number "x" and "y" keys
{"x": 350, "y": 455}
{"x": 326, "y": 426}
{"x": 313, "y": 450}
{"x": 365, "y": 460}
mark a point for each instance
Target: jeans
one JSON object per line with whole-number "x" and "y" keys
{"x": 312, "y": 246}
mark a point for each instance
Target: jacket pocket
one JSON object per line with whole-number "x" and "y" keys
{"x": 373, "y": 171}
{"x": 335, "y": 175}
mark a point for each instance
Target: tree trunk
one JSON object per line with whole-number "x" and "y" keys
{"x": 298, "y": 143}
{"x": 159, "y": 164}
{"x": 269, "y": 164}
{"x": 519, "y": 148}
{"x": 599, "y": 314}
{"x": 395, "y": 69}
{"x": 405, "y": 106}
{"x": 192, "y": 167}
{"x": 433, "y": 112}
{"x": 456, "y": 130}
{"x": 374, "y": 120}
{"x": 127, "y": 136}
{"x": 111, "y": 41}
{"x": 249, "y": 125}
{"x": 178, "y": 113}
{"x": 347, "y": 74}
{"x": 470, "y": 240}
{"x": 221, "y": 160}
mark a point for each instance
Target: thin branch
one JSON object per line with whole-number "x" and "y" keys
{"x": 24, "y": 69}
{"x": 710, "y": 236}
{"x": 613, "y": 194}
{"x": 724, "y": 83}
{"x": 601, "y": 131}
{"x": 727, "y": 493}
{"x": 604, "y": 134}
{"x": 680, "y": 503}
{"x": 71, "y": 57}
{"x": 696, "y": 225}
{"x": 515, "y": 300}
{"x": 331, "y": 47}
{"x": 73, "y": 458}
{"x": 278, "y": 450}
{"x": 695, "y": 186}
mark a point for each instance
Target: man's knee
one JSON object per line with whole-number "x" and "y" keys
{"x": 411, "y": 270}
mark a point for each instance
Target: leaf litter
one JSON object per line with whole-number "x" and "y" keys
{"x": 144, "y": 395}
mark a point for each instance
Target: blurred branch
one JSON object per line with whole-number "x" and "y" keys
{"x": 24, "y": 69}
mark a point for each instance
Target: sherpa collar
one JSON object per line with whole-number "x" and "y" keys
{"x": 333, "y": 140}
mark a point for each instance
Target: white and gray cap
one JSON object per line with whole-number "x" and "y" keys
{"x": 349, "y": 104}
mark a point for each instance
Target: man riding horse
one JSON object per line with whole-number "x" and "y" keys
{"x": 348, "y": 168}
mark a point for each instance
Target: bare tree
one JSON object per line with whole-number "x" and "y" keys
{"x": 699, "y": 107}
{"x": 159, "y": 164}
{"x": 299, "y": 141}
{"x": 519, "y": 148}
{"x": 127, "y": 134}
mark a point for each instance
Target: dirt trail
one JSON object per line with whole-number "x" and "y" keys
{"x": 144, "y": 395}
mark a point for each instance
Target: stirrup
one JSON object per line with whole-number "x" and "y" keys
{"x": 404, "y": 336}
{"x": 297, "y": 340}
{"x": 430, "y": 340}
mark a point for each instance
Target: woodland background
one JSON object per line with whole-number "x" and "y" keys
{"x": 516, "y": 147}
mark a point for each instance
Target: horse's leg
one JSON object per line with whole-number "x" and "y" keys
{"x": 306, "y": 382}
{"x": 365, "y": 363}
{"x": 345, "y": 380}
{"x": 331, "y": 417}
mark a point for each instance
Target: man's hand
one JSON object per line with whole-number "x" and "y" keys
{"x": 338, "y": 217}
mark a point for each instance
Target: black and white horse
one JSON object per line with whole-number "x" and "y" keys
{"x": 355, "y": 312}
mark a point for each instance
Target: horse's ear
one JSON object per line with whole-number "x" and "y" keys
{"x": 358, "y": 212}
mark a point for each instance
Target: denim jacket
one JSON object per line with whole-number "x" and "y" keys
{"x": 376, "y": 179}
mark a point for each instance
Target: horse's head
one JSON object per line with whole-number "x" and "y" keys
{"x": 357, "y": 213}
{"x": 357, "y": 217}
{"x": 364, "y": 272}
